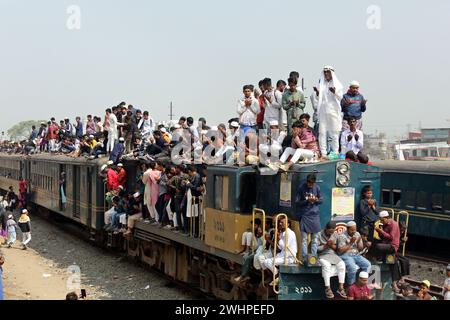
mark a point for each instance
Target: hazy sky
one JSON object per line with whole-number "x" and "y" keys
{"x": 198, "y": 54}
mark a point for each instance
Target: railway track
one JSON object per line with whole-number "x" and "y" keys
{"x": 434, "y": 289}
{"x": 80, "y": 233}
{"x": 428, "y": 258}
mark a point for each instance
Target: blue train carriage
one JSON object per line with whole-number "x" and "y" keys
{"x": 423, "y": 189}
{"x": 341, "y": 183}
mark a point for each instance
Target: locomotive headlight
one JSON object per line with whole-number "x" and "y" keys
{"x": 342, "y": 174}
{"x": 343, "y": 168}
{"x": 342, "y": 181}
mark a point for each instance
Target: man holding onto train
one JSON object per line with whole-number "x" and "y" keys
{"x": 309, "y": 199}
{"x": 349, "y": 247}
{"x": 288, "y": 248}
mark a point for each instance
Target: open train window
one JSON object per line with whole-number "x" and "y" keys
{"x": 221, "y": 184}
{"x": 397, "y": 198}
{"x": 410, "y": 199}
{"x": 436, "y": 201}
{"x": 422, "y": 200}
{"x": 447, "y": 202}
{"x": 386, "y": 197}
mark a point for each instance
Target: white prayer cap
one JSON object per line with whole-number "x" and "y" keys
{"x": 10, "y": 216}
{"x": 24, "y": 211}
{"x": 204, "y": 132}
{"x": 273, "y": 123}
{"x": 163, "y": 130}
{"x": 137, "y": 194}
{"x": 66, "y": 118}
{"x": 121, "y": 139}
{"x": 120, "y": 165}
{"x": 177, "y": 126}
{"x": 384, "y": 214}
{"x": 215, "y": 128}
{"x": 234, "y": 124}
{"x": 327, "y": 68}
{"x": 110, "y": 163}
{"x": 364, "y": 275}
{"x": 351, "y": 224}
{"x": 91, "y": 136}
{"x": 354, "y": 83}
{"x": 103, "y": 167}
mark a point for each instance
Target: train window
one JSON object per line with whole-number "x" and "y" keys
{"x": 436, "y": 201}
{"x": 386, "y": 197}
{"x": 447, "y": 202}
{"x": 410, "y": 199}
{"x": 221, "y": 192}
{"x": 422, "y": 200}
{"x": 397, "y": 198}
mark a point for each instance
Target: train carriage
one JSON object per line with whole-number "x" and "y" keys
{"x": 233, "y": 193}
{"x": 423, "y": 189}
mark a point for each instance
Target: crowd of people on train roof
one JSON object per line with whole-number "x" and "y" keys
{"x": 270, "y": 127}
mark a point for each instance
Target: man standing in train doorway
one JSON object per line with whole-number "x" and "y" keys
{"x": 327, "y": 100}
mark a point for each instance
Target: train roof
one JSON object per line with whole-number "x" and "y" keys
{"x": 411, "y": 166}
{"x": 56, "y": 158}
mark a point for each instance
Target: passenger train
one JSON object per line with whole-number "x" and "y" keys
{"x": 234, "y": 197}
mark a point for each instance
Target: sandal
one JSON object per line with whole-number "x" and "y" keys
{"x": 329, "y": 293}
{"x": 342, "y": 293}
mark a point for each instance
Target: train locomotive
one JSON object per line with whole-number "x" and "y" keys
{"x": 234, "y": 196}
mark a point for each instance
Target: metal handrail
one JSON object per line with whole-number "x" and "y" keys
{"x": 275, "y": 248}
{"x": 254, "y": 211}
{"x": 201, "y": 217}
{"x": 406, "y": 214}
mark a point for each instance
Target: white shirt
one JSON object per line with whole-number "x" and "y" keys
{"x": 272, "y": 110}
{"x": 351, "y": 145}
{"x": 291, "y": 244}
{"x": 247, "y": 115}
{"x": 146, "y": 126}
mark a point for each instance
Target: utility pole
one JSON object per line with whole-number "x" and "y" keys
{"x": 171, "y": 111}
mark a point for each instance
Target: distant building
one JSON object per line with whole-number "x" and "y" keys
{"x": 376, "y": 147}
{"x": 429, "y": 144}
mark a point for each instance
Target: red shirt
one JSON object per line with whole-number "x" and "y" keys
{"x": 260, "y": 115}
{"x": 391, "y": 234}
{"x": 357, "y": 292}
{"x": 122, "y": 177}
{"x": 113, "y": 180}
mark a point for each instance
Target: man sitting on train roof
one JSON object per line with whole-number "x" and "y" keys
{"x": 349, "y": 246}
{"x": 296, "y": 150}
{"x": 352, "y": 143}
{"x": 327, "y": 257}
{"x": 271, "y": 146}
{"x": 309, "y": 199}
{"x": 288, "y": 248}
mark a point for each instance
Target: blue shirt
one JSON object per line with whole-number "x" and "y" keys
{"x": 356, "y": 108}
{"x": 79, "y": 129}
{"x": 309, "y": 213}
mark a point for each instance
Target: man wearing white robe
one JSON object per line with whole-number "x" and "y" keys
{"x": 289, "y": 247}
{"x": 113, "y": 133}
{"x": 326, "y": 99}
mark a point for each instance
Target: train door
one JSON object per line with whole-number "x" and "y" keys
{"x": 62, "y": 190}
{"x": 76, "y": 180}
